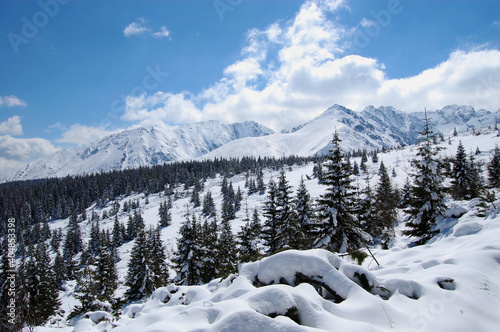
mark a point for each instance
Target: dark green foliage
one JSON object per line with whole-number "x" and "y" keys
{"x": 270, "y": 213}
{"x": 226, "y": 252}
{"x": 164, "y": 213}
{"x": 187, "y": 257}
{"x": 384, "y": 209}
{"x": 494, "y": 169}
{"x": 466, "y": 180}
{"x": 427, "y": 194}
{"x": 288, "y": 229}
{"x": 139, "y": 278}
{"x": 41, "y": 287}
{"x": 304, "y": 216}
{"x": 337, "y": 229}
{"x": 249, "y": 238}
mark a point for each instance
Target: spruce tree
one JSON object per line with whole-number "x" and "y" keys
{"x": 164, "y": 214}
{"x": 139, "y": 275}
{"x": 337, "y": 229}
{"x": 427, "y": 197}
{"x": 248, "y": 239}
{"x": 226, "y": 251}
{"x": 461, "y": 175}
{"x": 209, "y": 245}
{"x": 186, "y": 258}
{"x": 157, "y": 258}
{"x": 208, "y": 210}
{"x": 41, "y": 287}
{"x": 106, "y": 274}
{"x": 494, "y": 169}
{"x": 287, "y": 225}
{"x": 271, "y": 215}
{"x": 384, "y": 206}
{"x": 304, "y": 215}
{"x": 117, "y": 233}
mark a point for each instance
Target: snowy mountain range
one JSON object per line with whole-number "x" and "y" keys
{"x": 370, "y": 128}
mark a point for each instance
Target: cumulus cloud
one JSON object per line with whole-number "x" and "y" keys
{"x": 11, "y": 101}
{"x": 79, "y": 134}
{"x": 163, "y": 33}
{"x": 17, "y": 152}
{"x": 294, "y": 70}
{"x": 141, "y": 27}
{"x": 136, "y": 28}
{"x": 12, "y": 126}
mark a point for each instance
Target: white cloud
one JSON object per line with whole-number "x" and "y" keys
{"x": 141, "y": 27}
{"x": 136, "y": 28}
{"x": 12, "y": 126}
{"x": 79, "y": 134}
{"x": 164, "y": 32}
{"x": 17, "y": 152}
{"x": 292, "y": 71}
{"x": 11, "y": 101}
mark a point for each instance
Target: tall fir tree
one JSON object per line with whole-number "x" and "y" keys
{"x": 209, "y": 268}
{"x": 384, "y": 206}
{"x": 157, "y": 258}
{"x": 289, "y": 233}
{"x": 186, "y": 258}
{"x": 41, "y": 287}
{"x": 461, "y": 183}
{"x": 494, "y": 169}
{"x": 338, "y": 229}
{"x": 271, "y": 215}
{"x": 139, "y": 277}
{"x": 165, "y": 214}
{"x": 304, "y": 215}
{"x": 226, "y": 251}
{"x": 248, "y": 238}
{"x": 427, "y": 194}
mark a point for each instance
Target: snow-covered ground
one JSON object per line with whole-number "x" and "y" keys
{"x": 450, "y": 284}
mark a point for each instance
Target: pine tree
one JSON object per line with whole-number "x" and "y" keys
{"x": 209, "y": 245}
{"x": 139, "y": 275}
{"x": 106, "y": 274}
{"x": 287, "y": 225}
{"x": 117, "y": 233}
{"x": 59, "y": 272}
{"x": 164, "y": 214}
{"x": 41, "y": 287}
{"x": 248, "y": 238}
{"x": 427, "y": 201}
{"x": 186, "y": 258}
{"x": 494, "y": 169}
{"x": 226, "y": 252}
{"x": 195, "y": 198}
{"x": 461, "y": 178}
{"x": 304, "y": 216}
{"x": 95, "y": 238}
{"x": 261, "y": 187}
{"x": 157, "y": 258}
{"x": 56, "y": 239}
{"x": 270, "y": 227}
{"x": 338, "y": 229}
{"x": 384, "y": 206}
{"x": 208, "y": 210}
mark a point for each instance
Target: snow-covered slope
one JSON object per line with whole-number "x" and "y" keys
{"x": 369, "y": 129}
{"x": 449, "y": 284}
{"x": 141, "y": 147}
{"x": 372, "y": 128}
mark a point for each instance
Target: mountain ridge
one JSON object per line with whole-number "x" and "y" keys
{"x": 372, "y": 128}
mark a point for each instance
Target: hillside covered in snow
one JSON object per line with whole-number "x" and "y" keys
{"x": 372, "y": 128}
{"x": 449, "y": 284}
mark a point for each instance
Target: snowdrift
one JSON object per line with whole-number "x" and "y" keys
{"x": 451, "y": 284}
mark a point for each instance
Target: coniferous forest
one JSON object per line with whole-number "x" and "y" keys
{"x": 356, "y": 210}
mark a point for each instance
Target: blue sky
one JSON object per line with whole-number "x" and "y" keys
{"x": 75, "y": 71}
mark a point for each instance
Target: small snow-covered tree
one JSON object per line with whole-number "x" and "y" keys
{"x": 384, "y": 208}
{"x": 227, "y": 252}
{"x": 287, "y": 225}
{"x": 427, "y": 194}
